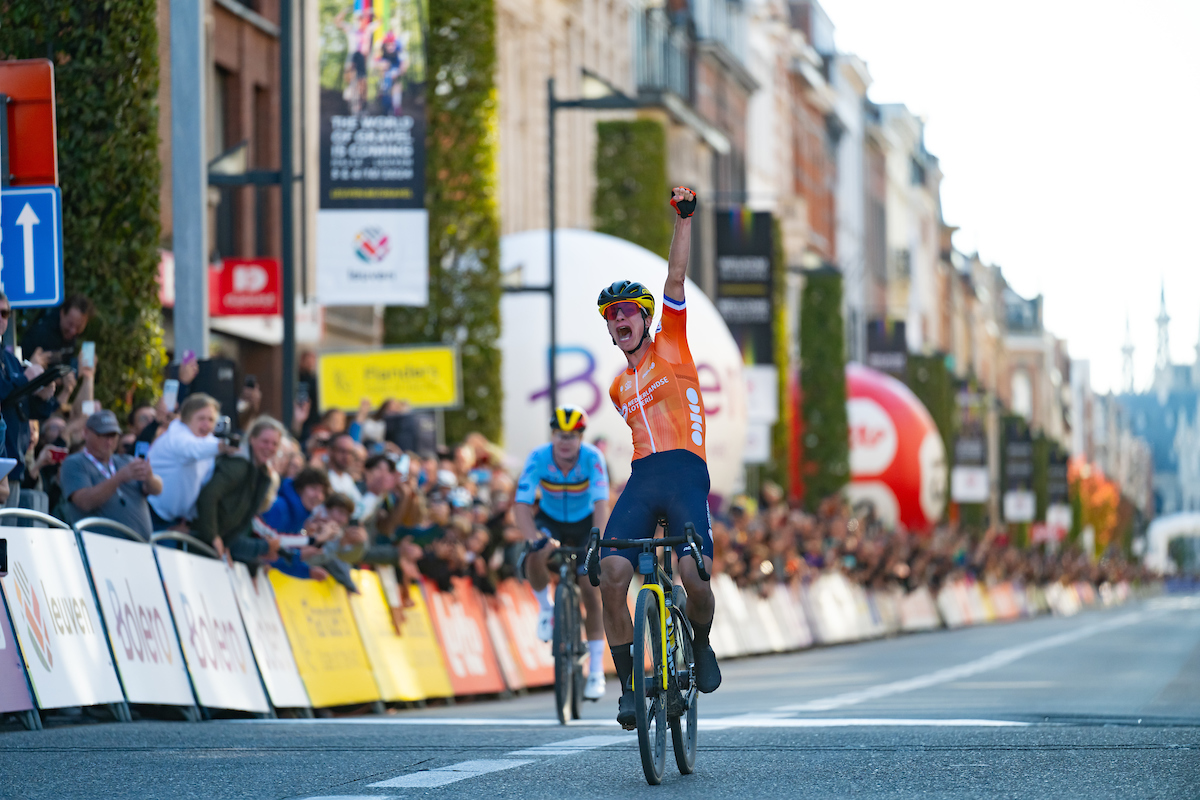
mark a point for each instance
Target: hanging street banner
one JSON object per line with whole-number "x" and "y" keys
{"x": 745, "y": 247}
{"x": 372, "y": 226}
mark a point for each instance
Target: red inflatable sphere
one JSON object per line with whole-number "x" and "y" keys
{"x": 897, "y": 461}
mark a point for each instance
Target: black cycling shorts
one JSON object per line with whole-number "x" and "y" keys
{"x": 672, "y": 484}
{"x": 568, "y": 534}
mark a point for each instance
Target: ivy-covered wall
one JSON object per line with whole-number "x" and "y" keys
{"x": 105, "y": 58}
{"x": 826, "y": 442}
{"x": 464, "y": 225}
{"x": 631, "y": 183}
{"x": 933, "y": 384}
{"x": 781, "y": 467}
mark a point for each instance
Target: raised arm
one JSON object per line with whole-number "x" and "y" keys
{"x": 683, "y": 200}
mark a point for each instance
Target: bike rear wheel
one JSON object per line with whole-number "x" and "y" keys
{"x": 650, "y": 707}
{"x": 684, "y": 728}
{"x": 565, "y": 642}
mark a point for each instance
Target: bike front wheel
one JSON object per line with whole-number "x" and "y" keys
{"x": 650, "y": 706}
{"x": 684, "y": 727}
{"x": 566, "y": 637}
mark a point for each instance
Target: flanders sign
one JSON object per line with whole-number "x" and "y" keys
{"x": 423, "y": 377}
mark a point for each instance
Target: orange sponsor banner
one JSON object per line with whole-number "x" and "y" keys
{"x": 518, "y": 611}
{"x": 500, "y": 643}
{"x": 461, "y": 625}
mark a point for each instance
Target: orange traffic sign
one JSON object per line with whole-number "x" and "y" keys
{"x": 32, "y": 130}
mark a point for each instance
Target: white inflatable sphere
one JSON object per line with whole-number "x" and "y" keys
{"x": 588, "y": 361}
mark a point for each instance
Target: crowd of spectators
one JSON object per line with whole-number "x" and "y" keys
{"x": 766, "y": 541}
{"x": 372, "y": 487}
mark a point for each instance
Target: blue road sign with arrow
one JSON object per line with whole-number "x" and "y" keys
{"x": 31, "y": 246}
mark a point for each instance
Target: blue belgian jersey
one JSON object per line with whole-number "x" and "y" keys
{"x": 569, "y": 497}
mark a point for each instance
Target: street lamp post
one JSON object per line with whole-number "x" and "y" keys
{"x": 598, "y": 95}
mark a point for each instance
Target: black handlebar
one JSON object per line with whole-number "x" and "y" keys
{"x": 595, "y": 543}
{"x": 592, "y": 559}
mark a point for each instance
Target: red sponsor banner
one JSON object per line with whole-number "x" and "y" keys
{"x": 245, "y": 287}
{"x": 461, "y": 625}
{"x": 32, "y": 133}
{"x": 519, "y": 612}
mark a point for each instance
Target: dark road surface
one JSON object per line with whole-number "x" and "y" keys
{"x": 1104, "y": 704}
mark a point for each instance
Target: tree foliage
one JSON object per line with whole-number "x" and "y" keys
{"x": 631, "y": 183}
{"x": 781, "y": 467}
{"x": 826, "y": 443}
{"x": 464, "y": 225}
{"x": 933, "y": 384}
{"x": 105, "y": 58}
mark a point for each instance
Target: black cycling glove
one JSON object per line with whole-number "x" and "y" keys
{"x": 685, "y": 208}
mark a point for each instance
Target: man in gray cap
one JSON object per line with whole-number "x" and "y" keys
{"x": 99, "y": 482}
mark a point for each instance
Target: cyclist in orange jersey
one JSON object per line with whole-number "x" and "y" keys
{"x": 659, "y": 397}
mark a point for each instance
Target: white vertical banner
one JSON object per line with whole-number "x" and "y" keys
{"x": 210, "y": 629}
{"x": 268, "y": 639}
{"x": 370, "y": 257}
{"x": 56, "y": 621}
{"x": 139, "y": 620}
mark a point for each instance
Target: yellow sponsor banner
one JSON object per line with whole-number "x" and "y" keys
{"x": 423, "y": 377}
{"x": 409, "y": 666}
{"x": 325, "y": 640}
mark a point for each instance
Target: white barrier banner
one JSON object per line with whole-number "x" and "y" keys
{"x": 210, "y": 628}
{"x": 268, "y": 639}
{"x": 139, "y": 620}
{"x": 56, "y": 621}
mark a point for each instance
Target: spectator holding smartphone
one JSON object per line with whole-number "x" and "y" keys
{"x": 48, "y": 455}
{"x": 52, "y": 335}
{"x": 184, "y": 457}
{"x": 17, "y": 413}
{"x": 98, "y": 481}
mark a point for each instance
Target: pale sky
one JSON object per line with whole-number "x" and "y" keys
{"x": 1068, "y": 135}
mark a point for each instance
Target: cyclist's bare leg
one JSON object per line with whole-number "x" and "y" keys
{"x": 594, "y": 624}
{"x": 535, "y": 567}
{"x": 700, "y": 601}
{"x": 615, "y": 574}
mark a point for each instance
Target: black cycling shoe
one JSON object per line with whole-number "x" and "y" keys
{"x": 626, "y": 715}
{"x": 708, "y": 674}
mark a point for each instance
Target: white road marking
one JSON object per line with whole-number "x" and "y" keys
{"x": 571, "y": 746}
{"x": 450, "y": 774}
{"x": 750, "y": 721}
{"x": 495, "y": 722}
{"x": 471, "y": 769}
{"x": 996, "y": 660}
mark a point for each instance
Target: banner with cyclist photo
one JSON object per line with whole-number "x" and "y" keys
{"x": 372, "y": 226}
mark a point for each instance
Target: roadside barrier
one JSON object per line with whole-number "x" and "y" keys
{"x": 268, "y": 639}
{"x": 138, "y": 619}
{"x": 458, "y": 618}
{"x": 56, "y": 622}
{"x": 215, "y": 645}
{"x": 93, "y": 619}
{"x": 325, "y": 641}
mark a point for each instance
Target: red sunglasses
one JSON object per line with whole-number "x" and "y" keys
{"x": 628, "y": 308}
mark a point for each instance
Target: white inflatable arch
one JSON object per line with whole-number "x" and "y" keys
{"x": 1161, "y": 532}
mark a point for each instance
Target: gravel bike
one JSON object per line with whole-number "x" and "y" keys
{"x": 570, "y": 650}
{"x": 663, "y": 660}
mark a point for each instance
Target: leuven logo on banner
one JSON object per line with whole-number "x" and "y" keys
{"x": 31, "y": 616}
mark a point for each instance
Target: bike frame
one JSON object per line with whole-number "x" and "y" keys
{"x": 651, "y": 570}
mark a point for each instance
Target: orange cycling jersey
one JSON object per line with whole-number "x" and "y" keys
{"x": 660, "y": 400}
